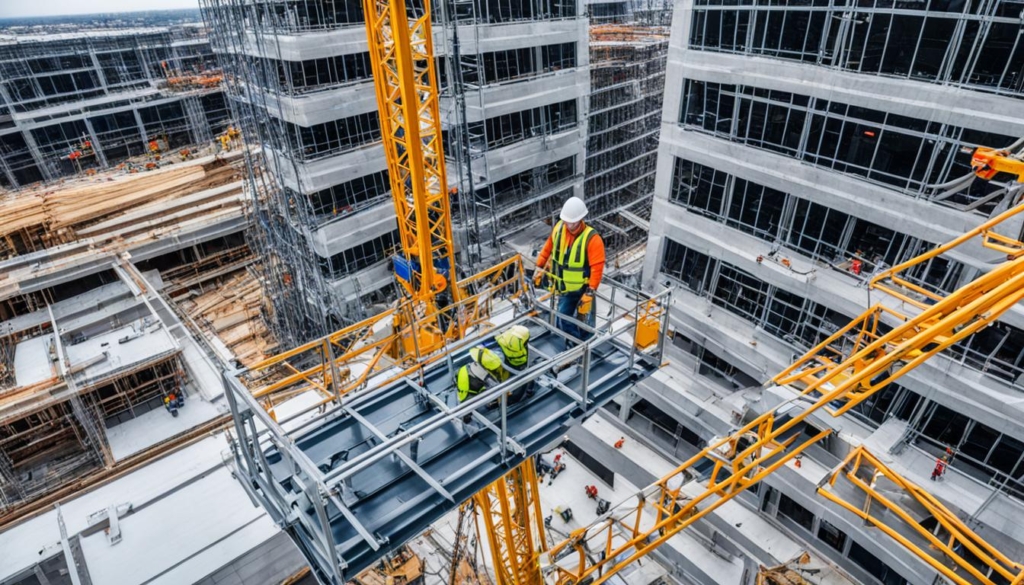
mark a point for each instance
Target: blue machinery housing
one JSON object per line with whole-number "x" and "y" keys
{"x": 380, "y": 465}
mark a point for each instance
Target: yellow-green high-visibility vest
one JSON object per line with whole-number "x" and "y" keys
{"x": 490, "y": 361}
{"x": 569, "y": 263}
{"x": 513, "y": 344}
{"x": 470, "y": 382}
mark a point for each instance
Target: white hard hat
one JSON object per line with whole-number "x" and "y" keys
{"x": 573, "y": 210}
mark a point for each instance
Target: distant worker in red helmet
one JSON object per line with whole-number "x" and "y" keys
{"x": 576, "y": 253}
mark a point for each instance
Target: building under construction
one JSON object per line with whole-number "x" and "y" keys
{"x": 85, "y": 101}
{"x": 514, "y": 82}
{"x": 816, "y": 380}
{"x": 627, "y": 81}
{"x": 91, "y": 336}
{"x": 805, "y": 150}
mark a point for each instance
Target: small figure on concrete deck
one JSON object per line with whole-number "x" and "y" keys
{"x": 577, "y": 256}
{"x": 620, "y": 442}
{"x": 940, "y": 468}
{"x": 173, "y": 402}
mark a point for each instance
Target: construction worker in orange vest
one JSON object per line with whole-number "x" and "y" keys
{"x": 576, "y": 253}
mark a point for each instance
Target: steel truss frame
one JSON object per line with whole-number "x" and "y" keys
{"x": 886, "y": 494}
{"x": 402, "y": 59}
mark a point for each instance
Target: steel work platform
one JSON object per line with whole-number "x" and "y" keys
{"x": 379, "y": 466}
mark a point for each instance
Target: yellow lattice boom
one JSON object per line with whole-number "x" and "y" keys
{"x": 402, "y": 60}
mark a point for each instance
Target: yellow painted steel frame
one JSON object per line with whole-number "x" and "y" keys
{"x": 510, "y": 508}
{"x": 863, "y": 471}
{"x": 893, "y": 284}
{"x": 736, "y": 467}
{"x": 402, "y": 61}
{"x": 867, "y": 354}
{"x": 846, "y": 368}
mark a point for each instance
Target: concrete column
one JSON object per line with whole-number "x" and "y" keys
{"x": 629, "y": 398}
{"x": 142, "y": 127}
{"x": 99, "y": 70}
{"x": 6, "y": 169}
{"x": 102, "y": 158}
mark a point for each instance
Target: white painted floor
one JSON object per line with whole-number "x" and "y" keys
{"x": 157, "y": 425}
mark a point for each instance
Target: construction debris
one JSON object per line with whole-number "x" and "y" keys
{"x": 230, "y": 313}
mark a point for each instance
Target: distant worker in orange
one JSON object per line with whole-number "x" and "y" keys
{"x": 940, "y": 468}
{"x": 154, "y": 147}
{"x": 577, "y": 257}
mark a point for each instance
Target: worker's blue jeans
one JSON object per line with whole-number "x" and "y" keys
{"x": 567, "y": 305}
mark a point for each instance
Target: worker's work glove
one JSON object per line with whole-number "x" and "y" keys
{"x": 538, "y": 277}
{"x": 586, "y": 304}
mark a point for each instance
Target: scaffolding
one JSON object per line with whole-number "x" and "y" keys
{"x": 298, "y": 303}
{"x": 86, "y": 343}
{"x": 319, "y": 280}
{"x": 87, "y": 101}
{"x": 628, "y": 54}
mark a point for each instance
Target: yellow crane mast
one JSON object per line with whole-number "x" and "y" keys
{"x": 402, "y": 61}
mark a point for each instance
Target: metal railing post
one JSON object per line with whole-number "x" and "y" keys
{"x": 585, "y": 379}
{"x": 503, "y": 401}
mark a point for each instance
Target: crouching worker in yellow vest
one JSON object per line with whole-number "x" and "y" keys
{"x": 515, "y": 347}
{"x": 486, "y": 368}
{"x": 483, "y": 371}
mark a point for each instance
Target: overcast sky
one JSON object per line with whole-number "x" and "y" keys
{"x": 12, "y": 8}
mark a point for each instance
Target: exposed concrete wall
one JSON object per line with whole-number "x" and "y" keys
{"x": 309, "y": 45}
{"x": 350, "y": 288}
{"x": 503, "y": 37}
{"x": 324, "y": 106}
{"x": 326, "y": 172}
{"x": 515, "y": 96}
{"x": 340, "y": 235}
{"x": 525, "y": 155}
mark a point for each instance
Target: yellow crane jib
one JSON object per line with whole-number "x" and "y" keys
{"x": 842, "y": 371}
